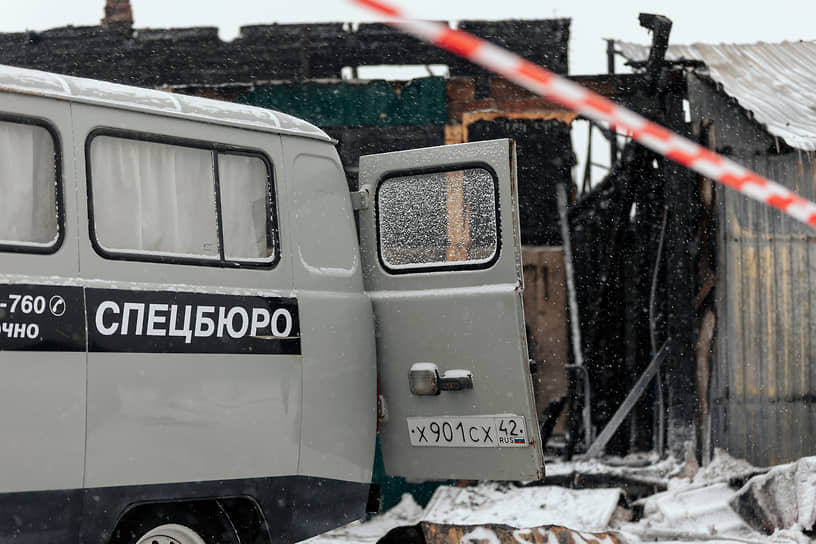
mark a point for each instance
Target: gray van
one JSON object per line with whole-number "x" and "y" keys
{"x": 196, "y": 336}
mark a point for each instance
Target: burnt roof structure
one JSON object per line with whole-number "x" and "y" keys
{"x": 262, "y": 53}
{"x": 755, "y": 104}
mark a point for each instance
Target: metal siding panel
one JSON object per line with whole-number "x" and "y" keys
{"x": 762, "y": 359}
{"x": 803, "y": 432}
{"x": 721, "y": 390}
{"x": 782, "y": 318}
{"x": 751, "y": 340}
{"x": 811, "y": 354}
{"x": 767, "y": 284}
{"x": 737, "y": 324}
{"x": 750, "y": 422}
{"x": 800, "y": 312}
{"x": 739, "y": 357}
{"x": 750, "y": 319}
{"x": 811, "y": 427}
{"x": 766, "y": 363}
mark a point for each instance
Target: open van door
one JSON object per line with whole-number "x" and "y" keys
{"x": 442, "y": 265}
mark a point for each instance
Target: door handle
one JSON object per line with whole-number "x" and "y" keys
{"x": 424, "y": 379}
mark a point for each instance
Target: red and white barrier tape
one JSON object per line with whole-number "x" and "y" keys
{"x": 598, "y": 108}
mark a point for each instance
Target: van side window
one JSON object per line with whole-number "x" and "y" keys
{"x": 245, "y": 212}
{"x": 29, "y": 213}
{"x": 164, "y": 201}
{"x": 438, "y": 220}
{"x": 153, "y": 198}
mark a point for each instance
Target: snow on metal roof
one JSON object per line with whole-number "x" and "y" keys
{"x": 22, "y": 80}
{"x": 774, "y": 81}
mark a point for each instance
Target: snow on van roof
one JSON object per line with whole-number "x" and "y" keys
{"x": 91, "y": 91}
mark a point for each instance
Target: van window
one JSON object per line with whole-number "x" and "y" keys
{"x": 164, "y": 201}
{"x": 153, "y": 198}
{"x": 28, "y": 185}
{"x": 438, "y": 220}
{"x": 245, "y": 199}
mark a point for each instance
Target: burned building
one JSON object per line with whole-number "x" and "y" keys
{"x": 754, "y": 103}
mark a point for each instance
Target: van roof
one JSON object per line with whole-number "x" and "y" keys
{"x": 91, "y": 91}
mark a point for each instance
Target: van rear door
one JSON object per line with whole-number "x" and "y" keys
{"x": 442, "y": 265}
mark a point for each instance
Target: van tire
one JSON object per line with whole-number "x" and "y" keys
{"x": 171, "y": 533}
{"x": 185, "y": 523}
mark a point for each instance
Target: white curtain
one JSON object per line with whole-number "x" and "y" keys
{"x": 153, "y": 198}
{"x": 28, "y": 209}
{"x": 244, "y": 208}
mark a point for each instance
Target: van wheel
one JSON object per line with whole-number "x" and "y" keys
{"x": 171, "y": 533}
{"x": 195, "y": 523}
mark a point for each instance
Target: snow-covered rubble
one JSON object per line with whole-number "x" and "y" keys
{"x": 776, "y": 506}
{"x": 784, "y": 498}
{"x": 495, "y": 503}
{"x": 693, "y": 510}
{"x": 697, "y": 505}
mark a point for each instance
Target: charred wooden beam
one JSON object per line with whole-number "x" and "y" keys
{"x": 262, "y": 53}
{"x": 682, "y": 199}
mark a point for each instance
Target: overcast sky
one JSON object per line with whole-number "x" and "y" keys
{"x": 710, "y": 21}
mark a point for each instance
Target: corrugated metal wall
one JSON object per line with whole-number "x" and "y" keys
{"x": 764, "y": 387}
{"x": 763, "y": 380}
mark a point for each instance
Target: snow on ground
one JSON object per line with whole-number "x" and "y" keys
{"x": 495, "y": 503}
{"x": 694, "y": 509}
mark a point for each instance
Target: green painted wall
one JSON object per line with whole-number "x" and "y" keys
{"x": 375, "y": 103}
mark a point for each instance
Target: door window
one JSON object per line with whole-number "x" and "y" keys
{"x": 436, "y": 220}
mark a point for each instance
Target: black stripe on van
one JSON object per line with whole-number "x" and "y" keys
{"x": 56, "y": 318}
{"x": 178, "y": 322}
{"x": 294, "y": 507}
{"x": 41, "y": 318}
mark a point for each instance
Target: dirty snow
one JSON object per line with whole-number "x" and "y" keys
{"x": 693, "y": 509}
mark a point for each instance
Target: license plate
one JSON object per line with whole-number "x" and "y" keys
{"x": 500, "y": 431}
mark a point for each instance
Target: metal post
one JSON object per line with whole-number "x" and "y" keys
{"x": 610, "y": 69}
{"x": 610, "y": 57}
{"x": 561, "y": 194}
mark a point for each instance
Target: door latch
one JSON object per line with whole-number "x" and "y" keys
{"x": 424, "y": 379}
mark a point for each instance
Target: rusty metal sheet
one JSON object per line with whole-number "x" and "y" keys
{"x": 503, "y": 534}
